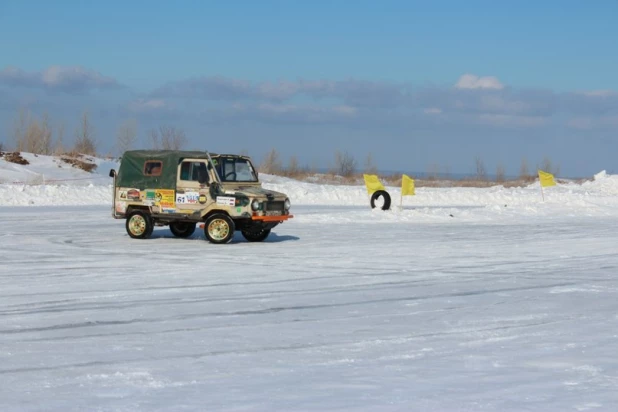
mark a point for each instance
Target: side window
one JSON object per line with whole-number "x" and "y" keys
{"x": 153, "y": 168}
{"x": 194, "y": 171}
{"x": 185, "y": 171}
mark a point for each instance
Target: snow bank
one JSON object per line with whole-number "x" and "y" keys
{"x": 603, "y": 190}
{"x": 66, "y": 185}
{"x": 52, "y": 169}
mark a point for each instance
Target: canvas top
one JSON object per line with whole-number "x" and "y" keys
{"x": 143, "y": 169}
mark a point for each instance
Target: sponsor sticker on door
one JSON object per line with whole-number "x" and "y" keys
{"x": 226, "y": 201}
{"x": 187, "y": 198}
{"x": 165, "y": 198}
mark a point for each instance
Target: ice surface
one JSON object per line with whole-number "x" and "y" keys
{"x": 465, "y": 300}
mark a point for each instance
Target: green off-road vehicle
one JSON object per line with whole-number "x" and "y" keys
{"x": 182, "y": 189}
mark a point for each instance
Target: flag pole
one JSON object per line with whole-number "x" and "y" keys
{"x": 542, "y": 194}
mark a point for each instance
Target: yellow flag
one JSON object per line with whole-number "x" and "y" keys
{"x": 546, "y": 179}
{"x": 373, "y": 183}
{"x": 407, "y": 186}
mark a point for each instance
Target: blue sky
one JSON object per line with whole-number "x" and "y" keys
{"x": 414, "y": 83}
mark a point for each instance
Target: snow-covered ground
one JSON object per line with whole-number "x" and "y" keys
{"x": 464, "y": 300}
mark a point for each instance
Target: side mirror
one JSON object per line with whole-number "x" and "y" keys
{"x": 112, "y": 173}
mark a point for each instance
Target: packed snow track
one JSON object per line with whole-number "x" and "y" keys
{"x": 342, "y": 308}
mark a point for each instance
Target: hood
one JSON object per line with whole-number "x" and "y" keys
{"x": 252, "y": 191}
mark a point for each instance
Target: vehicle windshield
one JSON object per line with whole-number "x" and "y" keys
{"x": 235, "y": 169}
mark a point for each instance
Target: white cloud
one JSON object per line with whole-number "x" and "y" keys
{"x": 506, "y": 120}
{"x": 471, "y": 81}
{"x": 341, "y": 110}
{"x": 148, "y": 105}
{"x": 433, "y": 110}
{"x": 592, "y": 122}
{"x": 69, "y": 79}
{"x": 599, "y": 93}
{"x": 349, "y": 92}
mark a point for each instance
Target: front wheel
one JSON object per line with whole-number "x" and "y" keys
{"x": 182, "y": 229}
{"x": 139, "y": 225}
{"x": 219, "y": 228}
{"x": 256, "y": 235}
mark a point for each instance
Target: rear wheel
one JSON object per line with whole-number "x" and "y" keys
{"x": 219, "y": 228}
{"x": 139, "y": 225}
{"x": 256, "y": 235}
{"x": 182, "y": 229}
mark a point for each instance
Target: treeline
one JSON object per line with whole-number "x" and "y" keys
{"x": 345, "y": 165}
{"x": 37, "y": 135}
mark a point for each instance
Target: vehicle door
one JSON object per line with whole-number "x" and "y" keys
{"x": 192, "y": 185}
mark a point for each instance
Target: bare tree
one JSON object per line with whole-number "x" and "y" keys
{"x": 481, "y": 173}
{"x": 168, "y": 138}
{"x": 155, "y": 141}
{"x": 20, "y": 127}
{"x": 293, "y": 168}
{"x": 345, "y": 165}
{"x": 433, "y": 171}
{"x": 85, "y": 141}
{"x": 500, "y": 173}
{"x": 45, "y": 141}
{"x": 32, "y": 135}
{"x": 126, "y": 135}
{"x": 447, "y": 172}
{"x": 172, "y": 138}
{"x": 548, "y": 166}
{"x": 31, "y": 141}
{"x": 59, "y": 145}
{"x": 1, "y": 147}
{"x": 271, "y": 163}
{"x": 370, "y": 167}
{"x": 524, "y": 172}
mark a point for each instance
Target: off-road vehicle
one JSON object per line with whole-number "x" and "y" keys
{"x": 185, "y": 188}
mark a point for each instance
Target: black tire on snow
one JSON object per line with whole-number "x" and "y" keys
{"x": 387, "y": 199}
{"x": 219, "y": 228}
{"x": 256, "y": 236}
{"x": 139, "y": 225}
{"x": 182, "y": 229}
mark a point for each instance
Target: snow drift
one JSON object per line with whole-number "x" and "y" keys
{"x": 46, "y": 181}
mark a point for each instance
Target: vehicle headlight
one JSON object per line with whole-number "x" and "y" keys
{"x": 287, "y": 204}
{"x": 255, "y": 204}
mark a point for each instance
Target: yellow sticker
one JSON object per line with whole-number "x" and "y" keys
{"x": 165, "y": 198}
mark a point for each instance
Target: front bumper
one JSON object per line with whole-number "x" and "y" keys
{"x": 279, "y": 218}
